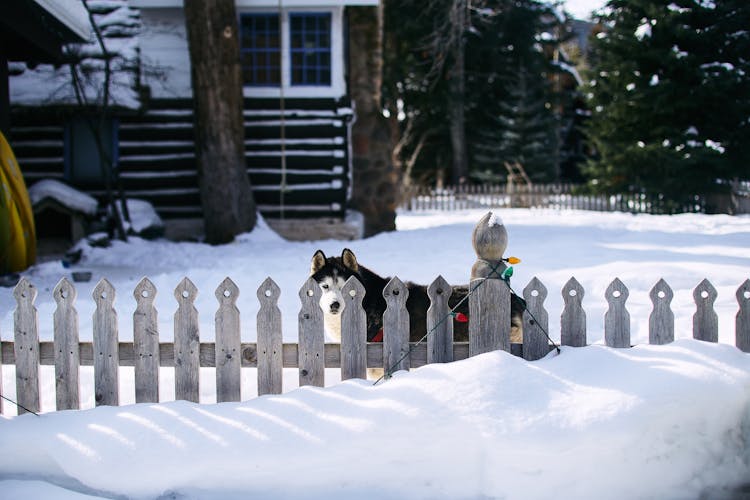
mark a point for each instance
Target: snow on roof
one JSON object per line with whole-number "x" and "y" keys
{"x": 70, "y": 13}
{"x": 46, "y": 84}
{"x": 76, "y": 201}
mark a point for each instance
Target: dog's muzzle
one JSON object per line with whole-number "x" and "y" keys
{"x": 335, "y": 307}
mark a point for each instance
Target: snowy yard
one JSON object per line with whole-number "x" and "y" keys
{"x": 647, "y": 422}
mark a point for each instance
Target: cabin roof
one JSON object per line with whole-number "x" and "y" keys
{"x": 156, "y": 4}
{"x": 36, "y": 30}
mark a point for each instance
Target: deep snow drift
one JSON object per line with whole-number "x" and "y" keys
{"x": 647, "y": 422}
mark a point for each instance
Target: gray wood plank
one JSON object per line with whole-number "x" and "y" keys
{"x": 705, "y": 319}
{"x": 489, "y": 316}
{"x": 535, "y": 321}
{"x": 186, "y": 343}
{"x": 573, "y": 318}
{"x": 439, "y": 322}
{"x": 311, "y": 336}
{"x": 395, "y": 327}
{"x": 146, "y": 343}
{"x": 353, "y": 331}
{"x": 67, "y": 359}
{"x": 105, "y": 337}
{"x": 270, "y": 361}
{"x": 617, "y": 317}
{"x": 742, "y": 321}
{"x": 661, "y": 320}
{"x": 228, "y": 359}
{"x": 26, "y": 346}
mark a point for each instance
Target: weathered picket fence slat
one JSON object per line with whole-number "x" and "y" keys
{"x": 661, "y": 320}
{"x": 311, "y": 355}
{"x": 105, "y": 346}
{"x": 67, "y": 360}
{"x": 311, "y": 336}
{"x": 26, "y": 337}
{"x": 186, "y": 343}
{"x": 228, "y": 363}
{"x": 146, "y": 343}
{"x": 742, "y": 322}
{"x": 270, "y": 345}
{"x": 353, "y": 332}
{"x": 439, "y": 322}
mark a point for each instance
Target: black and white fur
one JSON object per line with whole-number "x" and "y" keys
{"x": 331, "y": 273}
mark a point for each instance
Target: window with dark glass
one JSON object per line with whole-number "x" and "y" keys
{"x": 310, "y": 48}
{"x": 260, "y": 49}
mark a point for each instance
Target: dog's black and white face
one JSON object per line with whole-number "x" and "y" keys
{"x": 331, "y": 274}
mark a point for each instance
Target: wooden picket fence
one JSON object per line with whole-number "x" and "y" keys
{"x": 489, "y": 329}
{"x": 555, "y": 196}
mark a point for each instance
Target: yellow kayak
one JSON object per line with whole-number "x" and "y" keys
{"x": 17, "y": 232}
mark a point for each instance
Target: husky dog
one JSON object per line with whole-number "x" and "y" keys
{"x": 331, "y": 274}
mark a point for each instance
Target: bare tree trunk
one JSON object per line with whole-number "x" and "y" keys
{"x": 376, "y": 181}
{"x": 460, "y": 169}
{"x": 228, "y": 205}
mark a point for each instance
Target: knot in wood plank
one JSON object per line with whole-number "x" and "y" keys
{"x": 25, "y": 292}
{"x": 64, "y": 293}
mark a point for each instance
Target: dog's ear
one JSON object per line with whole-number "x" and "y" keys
{"x": 318, "y": 262}
{"x": 349, "y": 260}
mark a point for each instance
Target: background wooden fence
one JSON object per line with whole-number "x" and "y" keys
{"x": 488, "y": 330}
{"x": 556, "y": 196}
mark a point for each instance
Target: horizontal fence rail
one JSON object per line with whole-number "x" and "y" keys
{"x": 311, "y": 355}
{"x": 555, "y": 196}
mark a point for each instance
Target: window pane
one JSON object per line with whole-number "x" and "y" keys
{"x": 259, "y": 46}
{"x": 311, "y": 49}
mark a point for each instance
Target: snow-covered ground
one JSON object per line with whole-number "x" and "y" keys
{"x": 647, "y": 422}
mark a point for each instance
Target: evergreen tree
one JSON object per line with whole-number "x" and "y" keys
{"x": 510, "y": 106}
{"x": 669, "y": 97}
{"x": 519, "y": 124}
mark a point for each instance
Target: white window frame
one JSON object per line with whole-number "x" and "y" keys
{"x": 336, "y": 89}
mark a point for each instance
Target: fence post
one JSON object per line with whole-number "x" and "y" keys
{"x": 67, "y": 355}
{"x": 353, "y": 331}
{"x": 26, "y": 346}
{"x": 617, "y": 318}
{"x": 106, "y": 347}
{"x": 440, "y": 341}
{"x": 270, "y": 343}
{"x": 705, "y": 319}
{"x": 742, "y": 321}
{"x": 661, "y": 320}
{"x": 395, "y": 326}
{"x": 146, "y": 343}
{"x": 573, "y": 320}
{"x": 228, "y": 350}
{"x": 311, "y": 360}
{"x": 186, "y": 343}
{"x": 535, "y": 345}
{"x": 489, "y": 299}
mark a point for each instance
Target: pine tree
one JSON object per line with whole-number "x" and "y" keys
{"x": 669, "y": 97}
{"x": 519, "y": 123}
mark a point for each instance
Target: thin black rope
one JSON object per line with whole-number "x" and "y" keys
{"x": 389, "y": 372}
{"x": 19, "y": 405}
{"x": 536, "y": 321}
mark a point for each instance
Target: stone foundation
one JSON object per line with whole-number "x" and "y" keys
{"x": 350, "y": 228}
